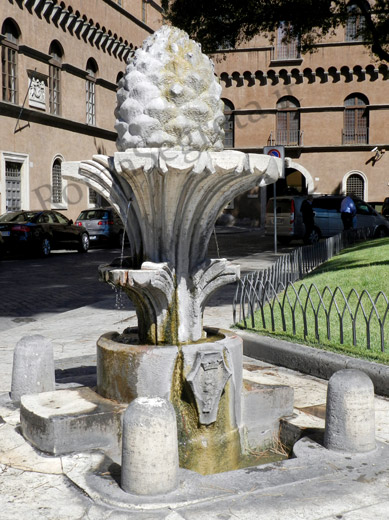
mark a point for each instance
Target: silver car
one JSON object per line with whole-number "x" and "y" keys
{"x": 327, "y": 219}
{"x": 103, "y": 224}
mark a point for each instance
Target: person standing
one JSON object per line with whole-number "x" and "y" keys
{"x": 348, "y": 211}
{"x": 308, "y": 217}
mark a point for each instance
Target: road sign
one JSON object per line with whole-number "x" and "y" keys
{"x": 275, "y": 151}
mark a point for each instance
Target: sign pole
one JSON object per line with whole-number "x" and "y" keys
{"x": 275, "y": 216}
{"x": 279, "y": 153}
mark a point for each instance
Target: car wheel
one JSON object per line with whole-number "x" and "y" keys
{"x": 314, "y": 236}
{"x": 84, "y": 243}
{"x": 45, "y": 247}
{"x": 381, "y": 232}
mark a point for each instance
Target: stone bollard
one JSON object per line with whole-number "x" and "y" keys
{"x": 33, "y": 367}
{"x": 350, "y": 420}
{"x": 150, "y": 447}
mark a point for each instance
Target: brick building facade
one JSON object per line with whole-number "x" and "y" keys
{"x": 60, "y": 63}
{"x": 330, "y": 109}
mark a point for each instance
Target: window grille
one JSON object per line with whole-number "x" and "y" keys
{"x": 228, "y": 124}
{"x": 355, "y": 25}
{"x": 286, "y": 50}
{"x": 92, "y": 197}
{"x": 13, "y": 181}
{"x": 56, "y": 183}
{"x": 9, "y": 74}
{"x": 55, "y": 90}
{"x": 356, "y": 120}
{"x": 288, "y": 122}
{"x": 355, "y": 186}
{"x": 90, "y": 103}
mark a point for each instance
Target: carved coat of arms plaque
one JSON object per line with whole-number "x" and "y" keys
{"x": 207, "y": 379}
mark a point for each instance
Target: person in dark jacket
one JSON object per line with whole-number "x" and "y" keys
{"x": 348, "y": 211}
{"x": 308, "y": 217}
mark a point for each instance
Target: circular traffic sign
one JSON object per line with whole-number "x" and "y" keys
{"x": 274, "y": 152}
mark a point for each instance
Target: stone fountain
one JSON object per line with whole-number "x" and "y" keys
{"x": 169, "y": 181}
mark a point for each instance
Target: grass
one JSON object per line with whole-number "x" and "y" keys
{"x": 355, "y": 271}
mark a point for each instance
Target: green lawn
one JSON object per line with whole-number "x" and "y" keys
{"x": 335, "y": 294}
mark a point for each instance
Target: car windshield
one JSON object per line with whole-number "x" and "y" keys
{"x": 17, "y": 216}
{"x": 95, "y": 214}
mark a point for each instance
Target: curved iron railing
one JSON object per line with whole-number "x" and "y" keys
{"x": 306, "y": 311}
{"x": 269, "y": 299}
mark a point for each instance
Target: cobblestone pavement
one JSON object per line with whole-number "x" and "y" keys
{"x": 35, "y": 288}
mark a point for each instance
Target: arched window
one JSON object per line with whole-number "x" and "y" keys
{"x": 355, "y": 185}
{"x": 56, "y": 54}
{"x": 9, "y": 61}
{"x": 355, "y": 25}
{"x": 288, "y": 122}
{"x": 56, "y": 182}
{"x": 228, "y": 123}
{"x": 90, "y": 90}
{"x": 356, "y": 120}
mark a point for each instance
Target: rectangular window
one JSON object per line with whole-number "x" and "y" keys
{"x": 90, "y": 102}
{"x": 355, "y": 126}
{"x": 144, "y": 11}
{"x": 286, "y": 50}
{"x": 9, "y": 74}
{"x": 13, "y": 181}
{"x": 55, "y": 90}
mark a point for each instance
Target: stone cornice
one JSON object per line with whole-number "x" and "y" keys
{"x": 75, "y": 71}
{"x": 106, "y": 84}
{"x": 43, "y": 118}
{"x": 131, "y": 17}
{"x": 296, "y": 151}
{"x": 291, "y": 75}
{"x": 34, "y": 53}
{"x": 312, "y": 109}
{"x": 63, "y": 16}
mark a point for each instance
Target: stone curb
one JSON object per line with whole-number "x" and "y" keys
{"x": 309, "y": 360}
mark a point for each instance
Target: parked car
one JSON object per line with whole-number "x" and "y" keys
{"x": 377, "y": 206}
{"x": 40, "y": 232}
{"x": 328, "y": 220}
{"x": 103, "y": 225}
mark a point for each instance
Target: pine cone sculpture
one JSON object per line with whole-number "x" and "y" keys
{"x": 169, "y": 97}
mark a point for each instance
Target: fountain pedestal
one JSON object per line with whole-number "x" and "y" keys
{"x": 169, "y": 181}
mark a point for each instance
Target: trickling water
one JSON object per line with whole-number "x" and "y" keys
{"x": 121, "y": 298}
{"x": 216, "y": 242}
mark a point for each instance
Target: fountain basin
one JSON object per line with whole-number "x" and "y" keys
{"x": 219, "y": 418}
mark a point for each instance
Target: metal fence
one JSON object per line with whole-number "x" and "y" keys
{"x": 258, "y": 300}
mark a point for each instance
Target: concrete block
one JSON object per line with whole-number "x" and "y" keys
{"x": 150, "y": 447}
{"x": 350, "y": 418}
{"x": 262, "y": 408}
{"x": 71, "y": 420}
{"x": 33, "y": 367}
